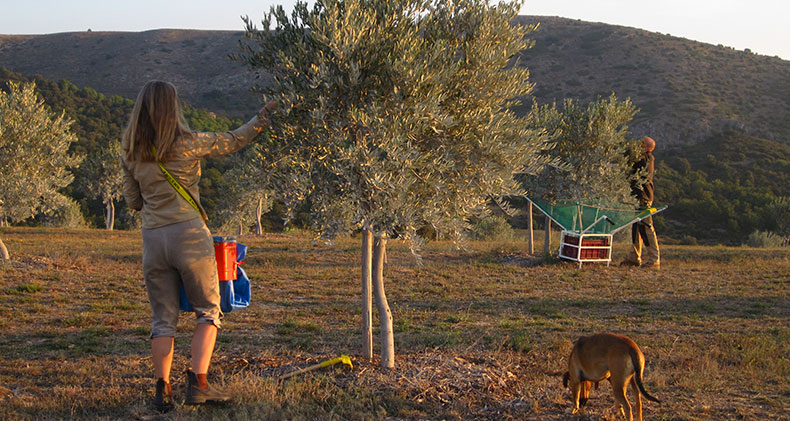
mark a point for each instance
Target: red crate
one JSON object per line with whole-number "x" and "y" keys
{"x": 589, "y": 242}
{"x": 592, "y": 248}
{"x": 586, "y": 253}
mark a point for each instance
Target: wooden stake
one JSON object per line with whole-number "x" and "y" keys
{"x": 531, "y": 230}
{"x": 367, "y": 268}
{"x": 547, "y": 240}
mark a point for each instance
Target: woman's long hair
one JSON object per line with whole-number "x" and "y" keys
{"x": 156, "y": 121}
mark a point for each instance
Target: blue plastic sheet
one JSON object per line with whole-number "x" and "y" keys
{"x": 233, "y": 295}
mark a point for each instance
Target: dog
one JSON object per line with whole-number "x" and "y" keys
{"x": 606, "y": 356}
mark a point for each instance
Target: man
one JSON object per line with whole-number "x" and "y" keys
{"x": 643, "y": 235}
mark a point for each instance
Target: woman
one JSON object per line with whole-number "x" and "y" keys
{"x": 177, "y": 247}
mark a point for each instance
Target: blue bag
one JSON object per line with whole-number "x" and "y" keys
{"x": 233, "y": 295}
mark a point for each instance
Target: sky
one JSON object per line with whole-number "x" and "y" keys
{"x": 760, "y": 25}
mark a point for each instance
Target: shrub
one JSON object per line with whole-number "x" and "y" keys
{"x": 764, "y": 239}
{"x": 493, "y": 228}
{"x": 66, "y": 214}
{"x": 128, "y": 219}
{"x": 688, "y": 240}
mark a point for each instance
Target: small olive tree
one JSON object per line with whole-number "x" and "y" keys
{"x": 395, "y": 114}
{"x": 102, "y": 178}
{"x": 593, "y": 156}
{"x": 34, "y": 157}
{"x": 247, "y": 195}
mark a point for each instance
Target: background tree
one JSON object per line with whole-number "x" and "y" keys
{"x": 247, "y": 194}
{"x": 590, "y": 143}
{"x": 34, "y": 157}
{"x": 395, "y": 114}
{"x": 102, "y": 178}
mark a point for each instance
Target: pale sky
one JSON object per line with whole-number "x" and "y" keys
{"x": 760, "y": 25}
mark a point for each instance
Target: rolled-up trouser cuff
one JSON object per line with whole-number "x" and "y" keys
{"x": 164, "y": 333}
{"x": 207, "y": 321}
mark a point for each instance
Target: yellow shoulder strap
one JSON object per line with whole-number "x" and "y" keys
{"x": 180, "y": 189}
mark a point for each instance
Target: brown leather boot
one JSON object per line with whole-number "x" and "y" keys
{"x": 207, "y": 394}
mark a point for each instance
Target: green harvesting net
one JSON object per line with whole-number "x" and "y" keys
{"x": 592, "y": 217}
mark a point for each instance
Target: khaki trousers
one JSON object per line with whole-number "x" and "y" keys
{"x": 643, "y": 238}
{"x": 176, "y": 254}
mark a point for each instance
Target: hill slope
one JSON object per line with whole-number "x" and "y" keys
{"x": 686, "y": 90}
{"x": 719, "y": 189}
{"x": 119, "y": 63}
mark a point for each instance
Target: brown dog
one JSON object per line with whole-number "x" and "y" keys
{"x": 606, "y": 356}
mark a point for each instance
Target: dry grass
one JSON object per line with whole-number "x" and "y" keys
{"x": 481, "y": 334}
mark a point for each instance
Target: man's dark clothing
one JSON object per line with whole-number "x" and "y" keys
{"x": 643, "y": 233}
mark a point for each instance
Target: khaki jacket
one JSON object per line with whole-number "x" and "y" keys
{"x": 146, "y": 189}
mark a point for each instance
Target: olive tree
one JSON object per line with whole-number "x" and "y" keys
{"x": 247, "y": 194}
{"x": 395, "y": 114}
{"x": 34, "y": 157}
{"x": 593, "y": 155}
{"x": 591, "y": 145}
{"x": 102, "y": 178}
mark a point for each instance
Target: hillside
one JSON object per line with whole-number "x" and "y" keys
{"x": 686, "y": 90}
{"x": 718, "y": 167}
{"x": 119, "y": 63}
{"x": 719, "y": 189}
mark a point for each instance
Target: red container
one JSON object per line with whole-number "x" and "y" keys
{"x": 595, "y": 248}
{"x": 594, "y": 253}
{"x": 225, "y": 251}
{"x": 593, "y": 243}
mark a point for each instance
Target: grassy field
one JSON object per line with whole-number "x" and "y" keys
{"x": 479, "y": 334}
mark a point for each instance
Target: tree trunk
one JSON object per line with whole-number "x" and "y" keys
{"x": 258, "y": 212}
{"x": 109, "y": 221}
{"x": 547, "y": 241}
{"x": 367, "y": 269}
{"x": 240, "y": 229}
{"x": 385, "y": 315}
{"x": 3, "y": 252}
{"x": 531, "y": 231}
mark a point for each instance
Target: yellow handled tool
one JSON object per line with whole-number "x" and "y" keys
{"x": 341, "y": 359}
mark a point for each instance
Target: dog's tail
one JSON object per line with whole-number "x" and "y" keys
{"x": 638, "y": 374}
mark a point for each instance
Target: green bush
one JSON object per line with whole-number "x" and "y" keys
{"x": 688, "y": 240}
{"x": 67, "y": 214}
{"x": 764, "y": 239}
{"x": 493, "y": 228}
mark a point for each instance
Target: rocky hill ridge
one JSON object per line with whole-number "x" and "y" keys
{"x": 686, "y": 90}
